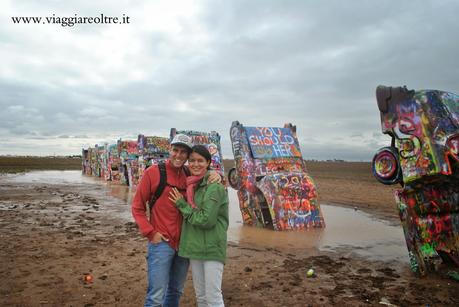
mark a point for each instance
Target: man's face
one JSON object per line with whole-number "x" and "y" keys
{"x": 178, "y": 155}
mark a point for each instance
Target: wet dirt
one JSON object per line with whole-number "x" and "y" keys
{"x": 57, "y": 227}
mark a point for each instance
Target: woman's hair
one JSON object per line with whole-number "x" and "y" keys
{"x": 202, "y": 150}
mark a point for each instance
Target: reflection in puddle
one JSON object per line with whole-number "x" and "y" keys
{"x": 50, "y": 177}
{"x": 72, "y": 177}
{"x": 373, "y": 237}
{"x": 346, "y": 228}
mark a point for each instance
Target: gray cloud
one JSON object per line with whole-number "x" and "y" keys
{"x": 263, "y": 63}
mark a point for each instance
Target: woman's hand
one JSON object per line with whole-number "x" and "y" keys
{"x": 175, "y": 195}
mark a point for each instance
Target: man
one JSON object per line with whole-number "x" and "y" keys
{"x": 166, "y": 270}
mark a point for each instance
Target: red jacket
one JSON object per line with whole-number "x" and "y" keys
{"x": 165, "y": 218}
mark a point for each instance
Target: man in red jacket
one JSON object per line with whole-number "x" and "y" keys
{"x": 166, "y": 270}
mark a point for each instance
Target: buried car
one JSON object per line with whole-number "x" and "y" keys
{"x": 274, "y": 189}
{"x": 209, "y": 139}
{"x": 152, "y": 150}
{"x": 424, "y": 159}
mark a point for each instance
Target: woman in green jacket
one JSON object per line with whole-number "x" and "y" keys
{"x": 205, "y": 223}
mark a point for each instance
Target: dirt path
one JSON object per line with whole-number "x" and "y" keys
{"x": 52, "y": 235}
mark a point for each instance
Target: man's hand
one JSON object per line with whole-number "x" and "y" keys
{"x": 158, "y": 237}
{"x": 214, "y": 177}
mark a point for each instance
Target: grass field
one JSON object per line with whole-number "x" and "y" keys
{"x": 24, "y": 164}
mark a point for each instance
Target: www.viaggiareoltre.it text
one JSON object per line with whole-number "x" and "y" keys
{"x": 71, "y": 21}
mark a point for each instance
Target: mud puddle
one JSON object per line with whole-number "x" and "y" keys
{"x": 346, "y": 229}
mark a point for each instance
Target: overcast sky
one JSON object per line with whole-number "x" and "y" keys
{"x": 200, "y": 65}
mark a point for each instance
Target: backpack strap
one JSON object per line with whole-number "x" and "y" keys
{"x": 162, "y": 184}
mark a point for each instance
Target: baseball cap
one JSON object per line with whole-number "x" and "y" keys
{"x": 182, "y": 139}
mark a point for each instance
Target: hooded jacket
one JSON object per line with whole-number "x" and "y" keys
{"x": 204, "y": 228}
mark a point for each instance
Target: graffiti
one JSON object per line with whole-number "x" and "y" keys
{"x": 151, "y": 150}
{"x": 152, "y": 145}
{"x": 270, "y": 142}
{"x": 246, "y": 212}
{"x": 133, "y": 172}
{"x": 125, "y": 161}
{"x": 430, "y": 219}
{"x": 113, "y": 163}
{"x": 293, "y": 199}
{"x": 200, "y": 139}
{"x": 274, "y": 189}
{"x": 85, "y": 162}
{"x": 209, "y": 139}
{"x": 425, "y": 128}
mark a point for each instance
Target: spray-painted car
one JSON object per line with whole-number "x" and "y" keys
{"x": 129, "y": 166}
{"x": 209, "y": 139}
{"x": 114, "y": 162}
{"x": 85, "y": 161}
{"x": 152, "y": 150}
{"x": 424, "y": 159}
{"x": 274, "y": 188}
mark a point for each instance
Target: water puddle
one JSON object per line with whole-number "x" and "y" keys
{"x": 50, "y": 177}
{"x": 346, "y": 228}
{"x": 74, "y": 178}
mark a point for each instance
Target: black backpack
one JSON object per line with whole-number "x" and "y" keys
{"x": 162, "y": 183}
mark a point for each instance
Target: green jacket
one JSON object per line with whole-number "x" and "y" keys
{"x": 204, "y": 228}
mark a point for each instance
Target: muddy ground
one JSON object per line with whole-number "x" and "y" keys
{"x": 54, "y": 235}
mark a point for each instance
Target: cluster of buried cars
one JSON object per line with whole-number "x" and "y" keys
{"x": 276, "y": 192}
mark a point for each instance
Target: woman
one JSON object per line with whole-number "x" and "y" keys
{"x": 205, "y": 223}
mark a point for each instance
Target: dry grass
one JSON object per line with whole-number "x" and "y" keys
{"x": 24, "y": 164}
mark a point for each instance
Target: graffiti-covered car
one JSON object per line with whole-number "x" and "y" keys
{"x": 129, "y": 155}
{"x": 114, "y": 162}
{"x": 274, "y": 188}
{"x": 209, "y": 139}
{"x": 152, "y": 150}
{"x": 85, "y": 161}
{"x": 424, "y": 159}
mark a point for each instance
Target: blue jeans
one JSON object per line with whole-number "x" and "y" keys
{"x": 166, "y": 275}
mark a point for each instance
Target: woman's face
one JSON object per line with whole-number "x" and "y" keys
{"x": 197, "y": 164}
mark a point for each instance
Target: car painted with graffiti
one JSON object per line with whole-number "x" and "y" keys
{"x": 126, "y": 161}
{"x": 424, "y": 159}
{"x": 273, "y": 186}
{"x": 86, "y": 161}
{"x": 113, "y": 163}
{"x": 152, "y": 150}
{"x": 129, "y": 166}
{"x": 209, "y": 139}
